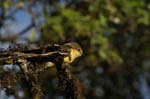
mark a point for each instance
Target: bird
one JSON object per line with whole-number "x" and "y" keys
{"x": 74, "y": 51}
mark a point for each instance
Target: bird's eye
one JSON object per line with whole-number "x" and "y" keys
{"x": 80, "y": 50}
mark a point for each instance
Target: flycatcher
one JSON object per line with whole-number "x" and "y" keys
{"x": 74, "y": 51}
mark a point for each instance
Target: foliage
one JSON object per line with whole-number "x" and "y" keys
{"x": 114, "y": 35}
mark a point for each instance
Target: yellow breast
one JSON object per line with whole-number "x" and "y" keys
{"x": 73, "y": 55}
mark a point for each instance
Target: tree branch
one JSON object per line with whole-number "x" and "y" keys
{"x": 68, "y": 85}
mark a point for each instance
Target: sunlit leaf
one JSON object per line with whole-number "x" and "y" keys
{"x": 32, "y": 36}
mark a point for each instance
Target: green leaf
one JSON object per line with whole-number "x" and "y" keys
{"x": 70, "y": 14}
{"x": 115, "y": 57}
{"x": 32, "y": 36}
{"x": 103, "y": 54}
{"x": 103, "y": 20}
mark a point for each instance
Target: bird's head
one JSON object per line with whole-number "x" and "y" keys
{"x": 75, "y": 51}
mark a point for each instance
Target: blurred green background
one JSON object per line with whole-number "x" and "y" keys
{"x": 114, "y": 35}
